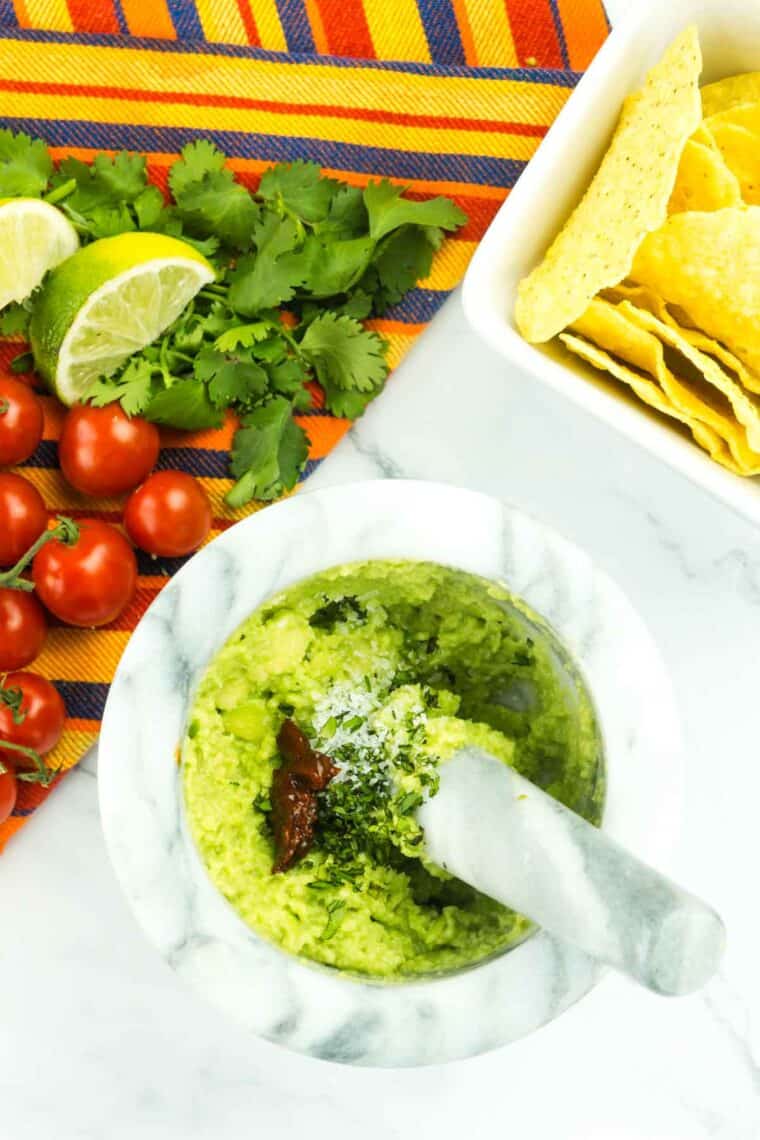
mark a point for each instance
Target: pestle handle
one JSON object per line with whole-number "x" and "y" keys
{"x": 504, "y": 836}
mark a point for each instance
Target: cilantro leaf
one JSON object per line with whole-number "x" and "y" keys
{"x": 357, "y": 305}
{"x": 219, "y": 318}
{"x": 268, "y": 277}
{"x": 198, "y": 159}
{"x": 185, "y": 405}
{"x": 138, "y": 386}
{"x": 24, "y": 362}
{"x": 106, "y": 193}
{"x": 122, "y": 176}
{"x": 288, "y": 377}
{"x": 187, "y": 334}
{"x": 88, "y": 193}
{"x": 299, "y": 188}
{"x": 231, "y": 379}
{"x": 25, "y": 166}
{"x": 108, "y": 182}
{"x": 107, "y": 221}
{"x": 243, "y": 336}
{"x": 14, "y": 320}
{"x": 334, "y": 266}
{"x": 274, "y": 348}
{"x": 402, "y": 259}
{"x": 387, "y": 210}
{"x": 149, "y": 207}
{"x": 347, "y": 217}
{"x": 218, "y": 206}
{"x": 210, "y": 203}
{"x": 207, "y": 246}
{"x": 346, "y": 405}
{"x": 269, "y": 452}
{"x": 237, "y": 382}
{"x": 343, "y": 354}
{"x": 133, "y": 389}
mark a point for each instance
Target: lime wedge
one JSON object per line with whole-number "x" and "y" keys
{"x": 109, "y": 300}
{"x": 34, "y": 237}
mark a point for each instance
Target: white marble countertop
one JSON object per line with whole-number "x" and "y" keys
{"x": 98, "y": 1039}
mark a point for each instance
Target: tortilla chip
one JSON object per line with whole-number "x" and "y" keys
{"x": 709, "y": 266}
{"x": 715, "y": 447}
{"x": 731, "y": 92}
{"x": 745, "y": 407}
{"x": 614, "y": 329}
{"x": 740, "y": 150}
{"x": 641, "y": 386}
{"x": 627, "y": 198}
{"x": 702, "y": 135}
{"x": 648, "y": 391}
{"x": 644, "y": 298}
{"x": 704, "y": 181}
{"x": 606, "y": 326}
{"x": 706, "y": 344}
{"x": 745, "y": 115}
{"x": 640, "y": 296}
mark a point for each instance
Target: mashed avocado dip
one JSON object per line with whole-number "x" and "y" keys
{"x": 389, "y": 668}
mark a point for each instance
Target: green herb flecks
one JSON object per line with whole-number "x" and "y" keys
{"x": 336, "y": 912}
{"x": 263, "y": 803}
{"x": 337, "y": 612}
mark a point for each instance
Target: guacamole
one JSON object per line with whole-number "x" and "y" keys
{"x": 388, "y": 668}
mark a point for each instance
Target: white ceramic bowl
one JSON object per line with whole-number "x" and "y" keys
{"x": 552, "y": 184}
{"x": 289, "y": 1001}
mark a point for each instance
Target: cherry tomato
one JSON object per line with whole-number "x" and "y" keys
{"x": 20, "y": 421}
{"x": 89, "y": 581}
{"x": 23, "y": 629}
{"x": 170, "y": 515}
{"x": 32, "y": 713}
{"x": 7, "y": 793}
{"x": 22, "y": 517}
{"x": 104, "y": 452}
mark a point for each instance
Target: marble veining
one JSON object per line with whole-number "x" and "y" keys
{"x": 308, "y": 1008}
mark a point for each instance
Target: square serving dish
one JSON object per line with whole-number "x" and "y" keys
{"x": 551, "y": 186}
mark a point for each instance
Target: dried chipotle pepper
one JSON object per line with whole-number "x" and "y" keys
{"x": 295, "y": 784}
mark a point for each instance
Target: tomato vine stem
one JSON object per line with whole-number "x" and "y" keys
{"x": 65, "y": 530}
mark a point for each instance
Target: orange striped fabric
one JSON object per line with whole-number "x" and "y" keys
{"x": 471, "y": 33}
{"x": 442, "y": 96}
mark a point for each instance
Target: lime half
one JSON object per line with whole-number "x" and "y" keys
{"x": 109, "y": 300}
{"x": 34, "y": 237}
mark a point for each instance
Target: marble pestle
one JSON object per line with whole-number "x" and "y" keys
{"x": 500, "y": 833}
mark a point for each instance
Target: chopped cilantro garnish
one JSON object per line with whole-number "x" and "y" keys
{"x": 263, "y": 803}
{"x": 337, "y": 612}
{"x": 336, "y": 912}
{"x": 408, "y": 802}
{"x": 329, "y": 728}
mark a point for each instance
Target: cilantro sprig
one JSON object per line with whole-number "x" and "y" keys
{"x": 301, "y": 263}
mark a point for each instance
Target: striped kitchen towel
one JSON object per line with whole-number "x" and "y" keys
{"x": 443, "y": 96}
